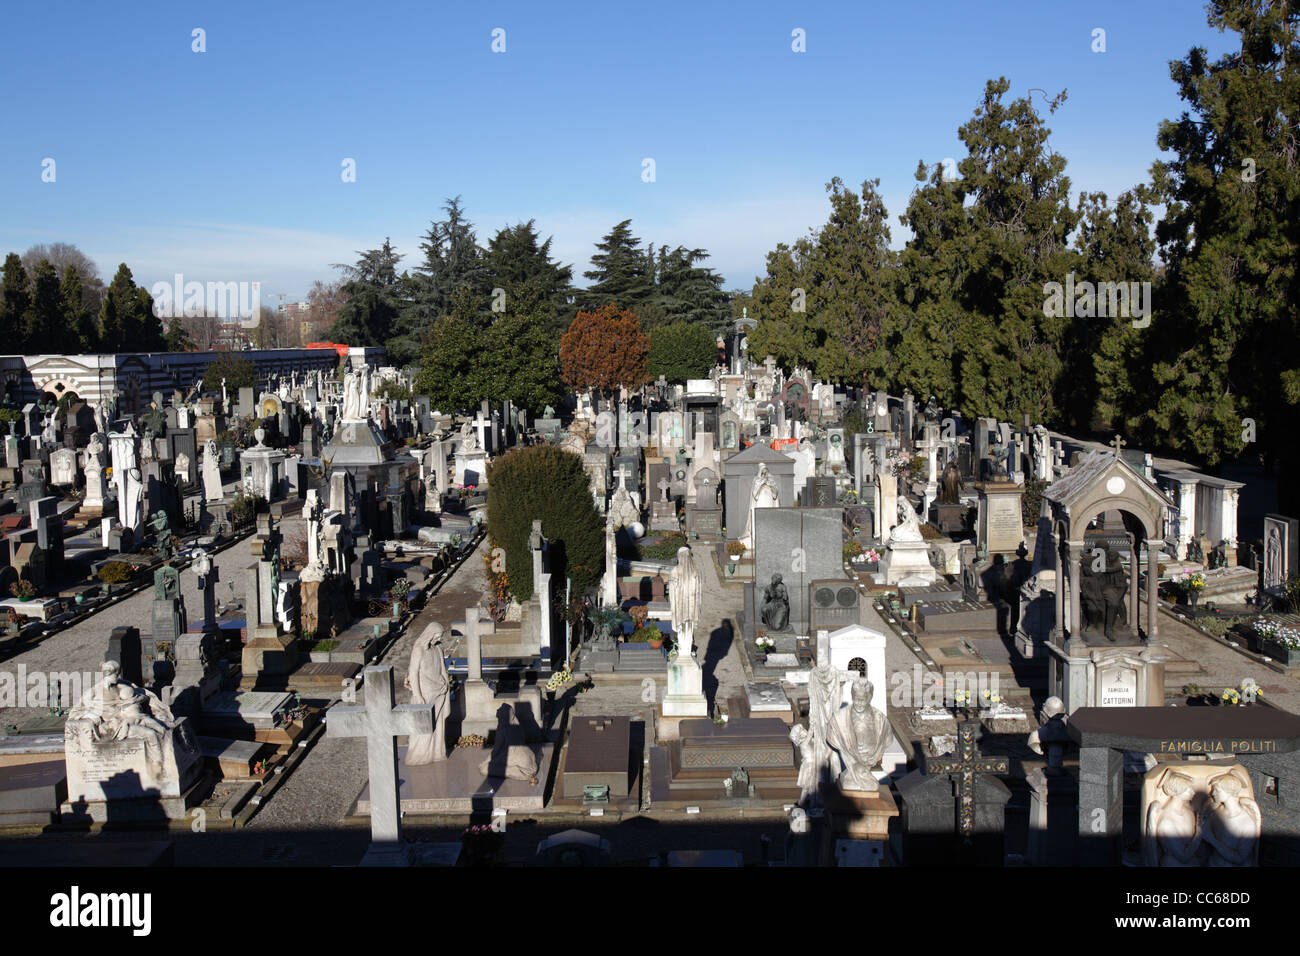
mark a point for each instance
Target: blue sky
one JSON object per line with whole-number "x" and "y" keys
{"x": 225, "y": 165}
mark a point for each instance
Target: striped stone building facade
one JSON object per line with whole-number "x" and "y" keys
{"x": 135, "y": 376}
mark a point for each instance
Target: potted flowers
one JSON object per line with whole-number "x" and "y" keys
{"x": 763, "y": 644}
{"x": 1193, "y": 585}
{"x": 647, "y": 634}
{"x": 23, "y": 589}
{"x": 1278, "y": 642}
{"x": 734, "y": 550}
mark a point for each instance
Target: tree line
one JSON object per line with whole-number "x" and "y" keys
{"x": 1004, "y": 300}
{"x": 485, "y": 321}
{"x": 52, "y": 301}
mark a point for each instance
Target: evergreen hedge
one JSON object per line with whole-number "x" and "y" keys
{"x": 544, "y": 482}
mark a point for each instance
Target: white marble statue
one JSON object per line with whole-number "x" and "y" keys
{"x": 824, "y": 698}
{"x": 622, "y": 509}
{"x": 909, "y": 525}
{"x": 860, "y": 733}
{"x": 686, "y": 600}
{"x": 352, "y": 410}
{"x": 1231, "y": 824}
{"x": 212, "y": 490}
{"x": 314, "y": 514}
{"x": 1173, "y": 827}
{"x": 765, "y": 493}
{"x": 468, "y": 439}
{"x": 429, "y": 684}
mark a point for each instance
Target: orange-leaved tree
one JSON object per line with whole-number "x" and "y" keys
{"x": 605, "y": 350}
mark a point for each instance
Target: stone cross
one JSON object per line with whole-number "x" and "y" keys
{"x": 380, "y": 722}
{"x": 1118, "y": 443}
{"x": 481, "y": 424}
{"x": 206, "y": 572}
{"x": 769, "y": 363}
{"x": 664, "y": 484}
{"x": 967, "y": 765}
{"x": 623, "y": 475}
{"x": 473, "y": 646}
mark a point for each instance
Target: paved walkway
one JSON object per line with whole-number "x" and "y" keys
{"x": 1225, "y": 667}
{"x": 81, "y": 647}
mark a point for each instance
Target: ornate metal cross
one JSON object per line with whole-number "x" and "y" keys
{"x": 967, "y": 765}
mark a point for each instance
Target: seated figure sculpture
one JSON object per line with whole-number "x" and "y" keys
{"x": 775, "y": 609}
{"x": 1102, "y": 589}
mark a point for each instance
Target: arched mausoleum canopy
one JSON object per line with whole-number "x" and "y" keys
{"x": 1103, "y": 482}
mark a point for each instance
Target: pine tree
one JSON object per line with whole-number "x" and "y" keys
{"x": 976, "y": 273}
{"x": 374, "y": 293}
{"x": 83, "y": 334}
{"x": 621, "y": 274}
{"x": 1225, "y": 339}
{"x": 121, "y": 324}
{"x": 16, "y": 300}
{"x": 453, "y": 266}
{"x": 521, "y": 266}
{"x": 825, "y": 299}
{"x": 1116, "y": 246}
{"x": 45, "y": 324}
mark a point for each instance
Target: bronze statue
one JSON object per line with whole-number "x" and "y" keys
{"x": 775, "y": 609}
{"x": 950, "y": 484}
{"x": 1102, "y": 587}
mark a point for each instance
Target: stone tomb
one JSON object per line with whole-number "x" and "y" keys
{"x": 1000, "y": 524}
{"x": 1281, "y": 551}
{"x": 690, "y": 770}
{"x": 859, "y": 651}
{"x": 599, "y": 758}
{"x": 740, "y": 470}
{"x": 1263, "y": 740}
{"x": 31, "y": 793}
{"x": 954, "y": 810}
{"x": 802, "y": 545}
{"x": 127, "y": 757}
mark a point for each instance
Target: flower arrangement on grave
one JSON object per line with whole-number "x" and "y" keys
{"x": 470, "y": 742}
{"x": 1250, "y": 691}
{"x": 735, "y": 549}
{"x": 990, "y": 698}
{"x": 638, "y": 613}
{"x": 559, "y": 679}
{"x": 1231, "y": 697}
{"x": 1269, "y": 629}
{"x": 646, "y": 634}
{"x": 899, "y": 464}
{"x": 480, "y": 845}
{"x": 764, "y": 643}
{"x": 872, "y": 556}
{"x": 23, "y": 589}
{"x": 115, "y": 572}
{"x": 498, "y": 582}
{"x": 853, "y": 550}
{"x": 1193, "y": 583}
